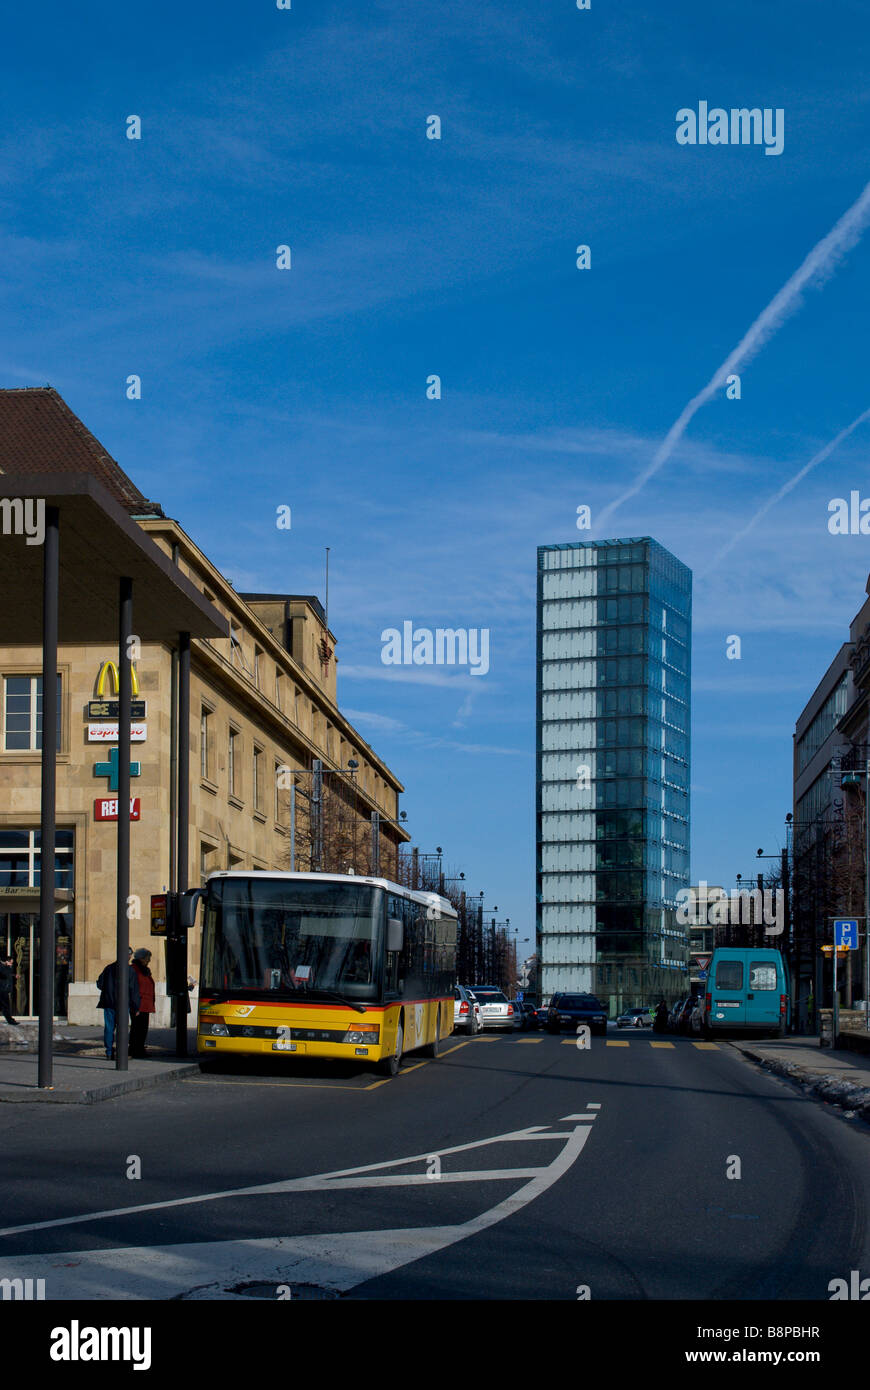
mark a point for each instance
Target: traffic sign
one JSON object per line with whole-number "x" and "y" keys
{"x": 846, "y": 932}
{"x": 702, "y": 974}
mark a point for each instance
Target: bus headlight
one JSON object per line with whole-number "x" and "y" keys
{"x": 216, "y": 1027}
{"x": 367, "y": 1035}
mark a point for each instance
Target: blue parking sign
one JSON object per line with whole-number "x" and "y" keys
{"x": 846, "y": 932}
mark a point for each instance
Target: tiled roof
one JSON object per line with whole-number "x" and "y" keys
{"x": 40, "y": 434}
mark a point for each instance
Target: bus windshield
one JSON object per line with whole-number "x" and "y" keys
{"x": 292, "y": 938}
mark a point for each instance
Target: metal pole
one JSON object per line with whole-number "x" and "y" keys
{"x": 48, "y": 803}
{"x": 182, "y": 857}
{"x": 835, "y": 1020}
{"x": 125, "y": 630}
{"x": 293, "y": 826}
{"x": 376, "y": 848}
{"x": 317, "y": 808}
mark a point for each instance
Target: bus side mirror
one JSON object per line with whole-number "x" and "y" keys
{"x": 395, "y": 934}
{"x": 187, "y": 905}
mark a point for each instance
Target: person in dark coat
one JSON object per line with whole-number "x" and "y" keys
{"x": 660, "y": 1023}
{"x": 107, "y": 985}
{"x": 145, "y": 1007}
{"x": 7, "y": 984}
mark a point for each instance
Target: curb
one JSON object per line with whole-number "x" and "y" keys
{"x": 92, "y": 1094}
{"x": 849, "y": 1095}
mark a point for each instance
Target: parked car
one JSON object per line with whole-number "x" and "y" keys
{"x": 466, "y": 1011}
{"x": 674, "y": 1013}
{"x": 496, "y": 1010}
{"x": 696, "y": 1018}
{"x": 685, "y": 1013}
{"x": 569, "y": 1010}
{"x": 540, "y": 1016}
{"x": 635, "y": 1018}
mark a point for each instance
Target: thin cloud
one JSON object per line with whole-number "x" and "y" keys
{"x": 785, "y": 489}
{"x": 814, "y": 270}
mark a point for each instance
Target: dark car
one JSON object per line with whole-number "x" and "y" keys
{"x": 528, "y": 1015}
{"x": 569, "y": 1010}
{"x": 681, "y": 1020}
{"x": 540, "y": 1016}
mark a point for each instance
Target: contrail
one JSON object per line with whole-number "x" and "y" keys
{"x": 820, "y": 263}
{"x": 786, "y": 488}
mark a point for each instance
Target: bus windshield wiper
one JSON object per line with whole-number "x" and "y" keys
{"x": 348, "y": 1003}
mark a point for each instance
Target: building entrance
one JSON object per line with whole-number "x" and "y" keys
{"x": 19, "y": 938}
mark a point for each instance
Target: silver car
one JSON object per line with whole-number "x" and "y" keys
{"x": 466, "y": 1011}
{"x": 496, "y": 1010}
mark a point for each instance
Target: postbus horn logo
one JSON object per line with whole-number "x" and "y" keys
{"x": 108, "y": 666}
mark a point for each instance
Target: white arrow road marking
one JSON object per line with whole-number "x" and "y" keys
{"x": 209, "y": 1269}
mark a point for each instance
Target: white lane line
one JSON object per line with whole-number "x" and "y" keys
{"x": 320, "y": 1182}
{"x": 579, "y": 1117}
{"x": 593, "y": 1105}
{"x": 211, "y": 1269}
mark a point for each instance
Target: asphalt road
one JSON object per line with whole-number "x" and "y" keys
{"x": 513, "y": 1167}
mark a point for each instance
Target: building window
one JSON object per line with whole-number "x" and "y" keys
{"x": 278, "y": 688}
{"x": 231, "y": 763}
{"x": 20, "y": 877}
{"x": 257, "y": 666}
{"x": 205, "y": 755}
{"x": 22, "y": 713}
{"x": 258, "y": 753}
{"x": 206, "y": 866}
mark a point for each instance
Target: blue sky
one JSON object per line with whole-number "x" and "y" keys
{"x": 262, "y": 127}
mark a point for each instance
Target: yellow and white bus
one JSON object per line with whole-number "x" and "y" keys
{"x": 323, "y": 965}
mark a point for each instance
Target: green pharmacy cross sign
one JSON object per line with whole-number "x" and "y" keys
{"x": 110, "y": 770}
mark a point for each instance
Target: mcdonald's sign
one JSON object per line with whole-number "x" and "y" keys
{"x": 108, "y": 666}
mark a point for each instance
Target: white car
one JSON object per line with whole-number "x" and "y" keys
{"x": 496, "y": 1009}
{"x": 466, "y": 1011}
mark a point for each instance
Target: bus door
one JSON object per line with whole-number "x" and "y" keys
{"x": 729, "y": 991}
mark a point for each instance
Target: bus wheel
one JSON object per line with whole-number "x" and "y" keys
{"x": 390, "y": 1065}
{"x": 432, "y": 1049}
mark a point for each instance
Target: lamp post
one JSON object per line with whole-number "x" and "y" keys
{"x": 377, "y": 821}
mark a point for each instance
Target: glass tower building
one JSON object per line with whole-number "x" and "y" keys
{"x": 613, "y": 706}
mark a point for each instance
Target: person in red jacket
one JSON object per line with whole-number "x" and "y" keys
{"x": 139, "y": 1023}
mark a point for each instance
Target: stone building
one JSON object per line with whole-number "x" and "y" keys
{"x": 263, "y": 714}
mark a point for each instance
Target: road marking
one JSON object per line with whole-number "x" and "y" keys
{"x": 579, "y": 1117}
{"x": 617, "y": 1042}
{"x": 706, "y": 1047}
{"x": 337, "y": 1261}
{"x": 321, "y": 1182}
{"x": 661, "y": 1044}
{"x": 529, "y": 1040}
{"x": 455, "y": 1048}
{"x": 299, "y": 1085}
{"x": 593, "y": 1105}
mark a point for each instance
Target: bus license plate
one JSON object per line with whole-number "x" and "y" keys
{"x": 284, "y": 1046}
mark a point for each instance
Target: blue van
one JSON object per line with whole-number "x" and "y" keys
{"x": 747, "y": 991}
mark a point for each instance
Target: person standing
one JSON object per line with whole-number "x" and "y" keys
{"x": 145, "y": 1007}
{"x": 7, "y": 984}
{"x": 107, "y": 984}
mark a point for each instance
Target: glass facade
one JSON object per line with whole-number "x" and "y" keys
{"x": 613, "y": 763}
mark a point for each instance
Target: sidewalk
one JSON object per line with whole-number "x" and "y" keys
{"x": 82, "y": 1074}
{"x": 836, "y": 1075}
